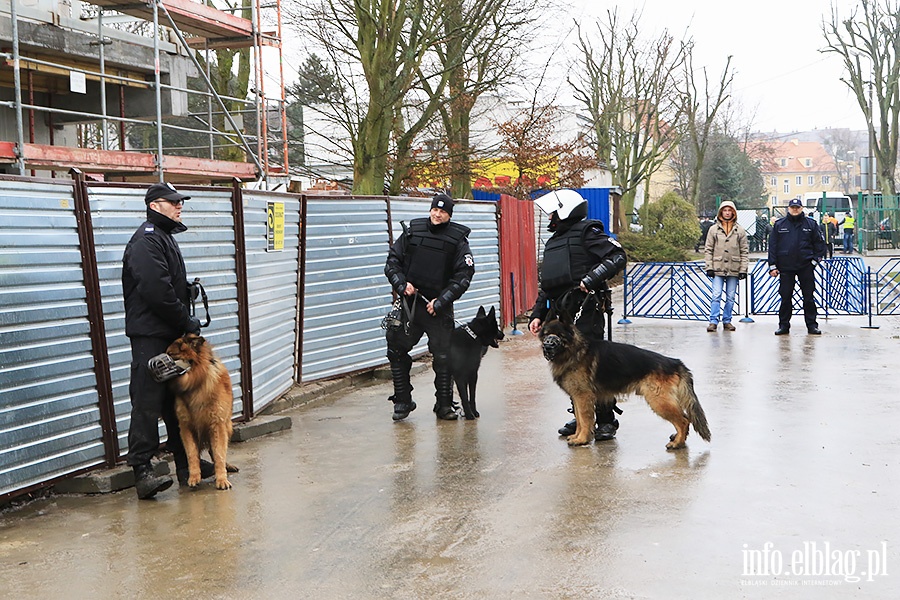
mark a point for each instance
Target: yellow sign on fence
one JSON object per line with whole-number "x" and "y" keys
{"x": 275, "y": 226}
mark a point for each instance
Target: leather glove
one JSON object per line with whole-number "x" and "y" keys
{"x": 193, "y": 326}
{"x": 742, "y": 276}
{"x": 710, "y": 273}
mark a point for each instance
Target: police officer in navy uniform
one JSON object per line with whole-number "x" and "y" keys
{"x": 578, "y": 258}
{"x": 157, "y": 312}
{"x": 429, "y": 266}
{"x": 796, "y": 246}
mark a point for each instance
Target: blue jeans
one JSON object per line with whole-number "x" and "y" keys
{"x": 715, "y": 310}
{"x": 848, "y": 241}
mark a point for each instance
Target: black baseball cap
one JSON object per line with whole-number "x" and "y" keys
{"x": 164, "y": 191}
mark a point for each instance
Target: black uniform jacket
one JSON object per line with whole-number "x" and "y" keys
{"x": 794, "y": 243}
{"x": 448, "y": 247}
{"x": 154, "y": 281}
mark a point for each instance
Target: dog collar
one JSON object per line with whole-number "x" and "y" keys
{"x": 468, "y": 330}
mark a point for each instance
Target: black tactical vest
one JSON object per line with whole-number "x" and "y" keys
{"x": 566, "y": 260}
{"x": 428, "y": 263}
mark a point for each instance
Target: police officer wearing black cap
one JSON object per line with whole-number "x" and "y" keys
{"x": 157, "y": 312}
{"x": 429, "y": 266}
{"x": 796, "y": 246}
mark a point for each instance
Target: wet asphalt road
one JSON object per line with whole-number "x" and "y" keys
{"x": 795, "y": 497}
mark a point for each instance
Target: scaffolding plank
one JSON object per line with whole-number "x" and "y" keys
{"x": 198, "y": 19}
{"x": 42, "y": 156}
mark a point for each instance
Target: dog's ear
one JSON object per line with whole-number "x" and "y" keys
{"x": 197, "y": 342}
{"x": 480, "y": 312}
{"x": 492, "y": 314}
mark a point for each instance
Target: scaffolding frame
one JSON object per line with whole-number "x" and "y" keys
{"x": 215, "y": 30}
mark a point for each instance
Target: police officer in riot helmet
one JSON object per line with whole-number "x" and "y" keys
{"x": 579, "y": 258}
{"x": 429, "y": 266}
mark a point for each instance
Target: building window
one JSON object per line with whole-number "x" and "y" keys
{"x": 808, "y": 162}
{"x": 774, "y": 181}
{"x": 810, "y": 180}
{"x": 799, "y": 180}
{"x": 783, "y": 162}
{"x": 787, "y": 186}
{"x": 826, "y": 179}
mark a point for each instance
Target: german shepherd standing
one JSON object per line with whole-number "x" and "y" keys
{"x": 203, "y": 401}
{"x": 596, "y": 373}
{"x": 468, "y": 345}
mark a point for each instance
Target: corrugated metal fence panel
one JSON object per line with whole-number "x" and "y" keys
{"x": 484, "y": 240}
{"x": 208, "y": 249}
{"x": 346, "y": 292}
{"x": 481, "y": 218}
{"x": 272, "y": 279}
{"x": 49, "y": 414}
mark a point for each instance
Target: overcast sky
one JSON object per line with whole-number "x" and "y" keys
{"x": 779, "y": 71}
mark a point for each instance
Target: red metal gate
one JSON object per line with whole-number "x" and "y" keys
{"x": 518, "y": 257}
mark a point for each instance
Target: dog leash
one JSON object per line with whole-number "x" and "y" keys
{"x": 197, "y": 290}
{"x": 583, "y": 304}
{"x": 462, "y": 326}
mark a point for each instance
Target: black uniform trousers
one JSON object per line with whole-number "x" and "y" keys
{"x": 807, "y": 279}
{"x": 402, "y": 339}
{"x": 150, "y": 401}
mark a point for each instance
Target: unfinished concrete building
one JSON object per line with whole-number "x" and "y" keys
{"x": 81, "y": 90}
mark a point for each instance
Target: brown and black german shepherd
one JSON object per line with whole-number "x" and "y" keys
{"x": 203, "y": 401}
{"x": 596, "y": 373}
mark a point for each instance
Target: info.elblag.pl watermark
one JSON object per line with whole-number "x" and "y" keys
{"x": 813, "y": 563}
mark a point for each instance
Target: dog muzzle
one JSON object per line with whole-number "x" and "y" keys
{"x": 163, "y": 367}
{"x": 552, "y": 345}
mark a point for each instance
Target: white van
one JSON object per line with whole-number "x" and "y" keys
{"x": 831, "y": 202}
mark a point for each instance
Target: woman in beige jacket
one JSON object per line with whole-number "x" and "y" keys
{"x": 726, "y": 255}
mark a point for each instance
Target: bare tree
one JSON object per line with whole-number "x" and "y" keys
{"x": 700, "y": 110}
{"x": 530, "y": 141}
{"x": 843, "y": 145}
{"x": 377, "y": 48}
{"x": 868, "y": 41}
{"x": 630, "y": 90}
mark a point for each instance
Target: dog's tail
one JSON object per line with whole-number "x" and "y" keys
{"x": 689, "y": 403}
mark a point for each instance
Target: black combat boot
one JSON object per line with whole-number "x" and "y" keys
{"x": 443, "y": 384}
{"x": 147, "y": 483}
{"x": 607, "y": 425}
{"x": 402, "y": 397}
{"x": 207, "y": 469}
{"x": 568, "y": 428}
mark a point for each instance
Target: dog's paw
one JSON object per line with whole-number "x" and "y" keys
{"x": 194, "y": 479}
{"x": 574, "y": 440}
{"x": 231, "y": 468}
{"x": 674, "y": 446}
{"x": 223, "y": 484}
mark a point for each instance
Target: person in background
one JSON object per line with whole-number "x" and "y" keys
{"x": 726, "y": 255}
{"x": 796, "y": 246}
{"x": 849, "y": 224}
{"x": 829, "y": 232}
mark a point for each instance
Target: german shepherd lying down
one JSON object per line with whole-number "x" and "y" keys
{"x": 596, "y": 373}
{"x": 468, "y": 345}
{"x": 203, "y": 401}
